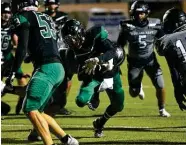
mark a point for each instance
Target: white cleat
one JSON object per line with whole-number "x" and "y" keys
{"x": 72, "y": 141}
{"x": 164, "y": 113}
{"x": 141, "y": 94}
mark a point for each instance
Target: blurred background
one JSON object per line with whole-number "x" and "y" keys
{"x": 109, "y": 12}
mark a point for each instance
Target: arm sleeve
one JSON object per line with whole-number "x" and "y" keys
{"x": 23, "y": 35}
{"x": 122, "y": 38}
{"x": 109, "y": 53}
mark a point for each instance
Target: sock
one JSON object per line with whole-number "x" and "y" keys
{"x": 103, "y": 119}
{"x": 64, "y": 139}
{"x": 160, "y": 94}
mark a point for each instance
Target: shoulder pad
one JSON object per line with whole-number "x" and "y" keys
{"x": 97, "y": 32}
{"x": 127, "y": 24}
{"x": 17, "y": 20}
{"x": 155, "y": 23}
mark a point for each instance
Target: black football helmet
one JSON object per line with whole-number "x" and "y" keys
{"x": 5, "y": 11}
{"x": 51, "y": 6}
{"x": 137, "y": 8}
{"x": 5, "y": 7}
{"x": 50, "y": 2}
{"x": 20, "y": 4}
{"x": 173, "y": 19}
{"x": 73, "y": 34}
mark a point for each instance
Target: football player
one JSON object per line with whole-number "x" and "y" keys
{"x": 173, "y": 47}
{"x": 59, "y": 17}
{"x": 37, "y": 37}
{"x": 7, "y": 45}
{"x": 141, "y": 34}
{"x": 98, "y": 60}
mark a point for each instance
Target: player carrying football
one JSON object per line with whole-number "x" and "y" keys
{"x": 98, "y": 60}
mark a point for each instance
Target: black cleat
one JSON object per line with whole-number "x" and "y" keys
{"x": 98, "y": 130}
{"x": 33, "y": 136}
{"x": 94, "y": 103}
{"x": 64, "y": 111}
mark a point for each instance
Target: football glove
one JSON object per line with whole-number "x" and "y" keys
{"x": 90, "y": 65}
{"x": 108, "y": 66}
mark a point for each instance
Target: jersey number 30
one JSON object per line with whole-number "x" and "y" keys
{"x": 179, "y": 45}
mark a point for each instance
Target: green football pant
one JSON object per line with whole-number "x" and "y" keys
{"x": 41, "y": 86}
{"x": 116, "y": 95}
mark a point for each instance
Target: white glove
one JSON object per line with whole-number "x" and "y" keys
{"x": 109, "y": 65}
{"x": 90, "y": 65}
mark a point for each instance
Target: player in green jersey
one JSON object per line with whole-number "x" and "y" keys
{"x": 98, "y": 68}
{"x": 37, "y": 37}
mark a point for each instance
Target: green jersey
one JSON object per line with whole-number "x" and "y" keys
{"x": 6, "y": 44}
{"x": 37, "y": 37}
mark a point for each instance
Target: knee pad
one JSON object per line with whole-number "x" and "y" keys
{"x": 80, "y": 103}
{"x": 159, "y": 81}
{"x": 134, "y": 92}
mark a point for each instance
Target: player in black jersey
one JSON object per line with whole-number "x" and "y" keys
{"x": 7, "y": 46}
{"x": 37, "y": 36}
{"x": 140, "y": 33}
{"x": 173, "y": 47}
{"x": 98, "y": 68}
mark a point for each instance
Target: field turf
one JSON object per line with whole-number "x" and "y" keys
{"x": 138, "y": 123}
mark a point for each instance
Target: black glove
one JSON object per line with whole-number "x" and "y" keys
{"x": 9, "y": 81}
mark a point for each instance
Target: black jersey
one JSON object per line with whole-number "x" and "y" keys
{"x": 6, "y": 43}
{"x": 97, "y": 45}
{"x": 37, "y": 37}
{"x": 173, "y": 47}
{"x": 59, "y": 19}
{"x": 140, "y": 38}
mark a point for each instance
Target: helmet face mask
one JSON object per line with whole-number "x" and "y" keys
{"x": 74, "y": 41}
{"x": 6, "y": 16}
{"x": 73, "y": 34}
{"x": 51, "y": 6}
{"x": 6, "y": 12}
{"x": 139, "y": 11}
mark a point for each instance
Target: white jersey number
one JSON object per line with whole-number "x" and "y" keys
{"x": 179, "y": 45}
{"x": 142, "y": 41}
{"x": 5, "y": 40}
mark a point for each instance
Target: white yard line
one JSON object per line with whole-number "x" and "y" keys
{"x": 70, "y": 126}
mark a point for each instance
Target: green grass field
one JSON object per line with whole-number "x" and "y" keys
{"x": 138, "y": 123}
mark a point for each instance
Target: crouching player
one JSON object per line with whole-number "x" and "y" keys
{"x": 98, "y": 60}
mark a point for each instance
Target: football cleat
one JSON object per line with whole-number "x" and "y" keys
{"x": 72, "y": 141}
{"x": 164, "y": 113}
{"x": 94, "y": 103}
{"x": 141, "y": 94}
{"x": 33, "y": 136}
{"x": 64, "y": 111}
{"x": 98, "y": 131}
